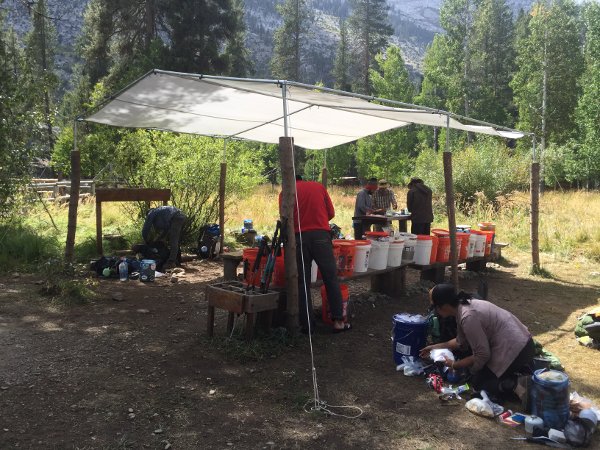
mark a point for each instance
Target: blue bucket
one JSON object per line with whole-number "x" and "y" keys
{"x": 408, "y": 337}
{"x": 550, "y": 397}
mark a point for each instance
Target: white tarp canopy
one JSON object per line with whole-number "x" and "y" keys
{"x": 254, "y": 110}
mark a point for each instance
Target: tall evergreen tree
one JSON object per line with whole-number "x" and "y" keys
{"x": 239, "y": 63}
{"x": 549, "y": 64}
{"x": 456, "y": 18}
{"x": 16, "y": 119}
{"x": 389, "y": 155}
{"x": 588, "y": 109}
{"x": 370, "y": 31}
{"x": 341, "y": 65}
{"x": 492, "y": 62}
{"x": 290, "y": 39}
{"x": 40, "y": 45}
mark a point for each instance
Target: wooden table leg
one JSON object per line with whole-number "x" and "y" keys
{"x": 250, "y": 319}
{"x": 230, "y": 321}
{"x": 210, "y": 321}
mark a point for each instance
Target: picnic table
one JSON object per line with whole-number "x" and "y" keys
{"x": 383, "y": 220}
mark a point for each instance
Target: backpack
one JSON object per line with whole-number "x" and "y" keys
{"x": 209, "y": 241}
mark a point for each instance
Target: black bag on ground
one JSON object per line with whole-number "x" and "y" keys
{"x": 158, "y": 251}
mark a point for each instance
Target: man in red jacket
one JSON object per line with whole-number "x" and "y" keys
{"x": 313, "y": 242}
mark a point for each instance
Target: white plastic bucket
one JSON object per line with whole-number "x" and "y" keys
{"x": 313, "y": 272}
{"x": 423, "y": 251}
{"x": 472, "y": 240}
{"x": 479, "y": 245}
{"x": 410, "y": 244}
{"x": 395, "y": 253}
{"x": 379, "y": 255}
{"x": 361, "y": 258}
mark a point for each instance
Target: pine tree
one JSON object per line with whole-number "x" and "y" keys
{"x": 370, "y": 30}
{"x": 16, "y": 120}
{"x": 389, "y": 155}
{"x": 456, "y": 18}
{"x": 549, "y": 64}
{"x": 588, "y": 109}
{"x": 239, "y": 63}
{"x": 492, "y": 62}
{"x": 290, "y": 39}
{"x": 40, "y": 44}
{"x": 341, "y": 65}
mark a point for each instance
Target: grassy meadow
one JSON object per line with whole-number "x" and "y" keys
{"x": 569, "y": 230}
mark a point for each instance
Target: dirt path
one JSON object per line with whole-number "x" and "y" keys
{"x": 141, "y": 374}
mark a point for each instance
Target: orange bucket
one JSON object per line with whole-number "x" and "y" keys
{"x": 487, "y": 226}
{"x": 250, "y": 254}
{"x": 463, "y": 239}
{"x": 326, "y": 314}
{"x": 434, "y": 248}
{"x": 278, "y": 279}
{"x": 489, "y": 239}
{"x": 440, "y": 232}
{"x": 443, "y": 250}
{"x": 347, "y": 249}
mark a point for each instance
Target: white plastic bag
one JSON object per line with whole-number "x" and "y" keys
{"x": 440, "y": 355}
{"x": 411, "y": 366}
{"x": 484, "y": 406}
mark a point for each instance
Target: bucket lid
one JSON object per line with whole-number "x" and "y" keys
{"x": 407, "y": 235}
{"x": 424, "y": 237}
{"x": 477, "y": 232}
{"x": 398, "y": 241}
{"x": 440, "y": 232}
{"x": 463, "y": 226}
{"x": 551, "y": 376}
{"x": 358, "y": 242}
{"x": 345, "y": 244}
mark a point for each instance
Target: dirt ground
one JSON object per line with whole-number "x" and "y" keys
{"x": 141, "y": 373}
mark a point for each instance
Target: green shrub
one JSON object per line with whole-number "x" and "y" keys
{"x": 190, "y": 167}
{"x": 483, "y": 171}
{"x": 23, "y": 247}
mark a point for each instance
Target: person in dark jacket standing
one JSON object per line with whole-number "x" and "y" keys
{"x": 161, "y": 223}
{"x": 363, "y": 206}
{"x": 419, "y": 203}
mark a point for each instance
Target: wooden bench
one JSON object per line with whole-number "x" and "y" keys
{"x": 435, "y": 272}
{"x": 390, "y": 281}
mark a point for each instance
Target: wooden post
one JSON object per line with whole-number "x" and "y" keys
{"x": 222, "y": 204}
{"x": 74, "y": 198}
{"x": 99, "y": 249}
{"x": 449, "y": 185}
{"x": 324, "y": 177}
{"x": 288, "y": 200}
{"x": 535, "y": 214}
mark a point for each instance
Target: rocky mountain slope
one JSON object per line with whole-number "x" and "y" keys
{"x": 415, "y": 23}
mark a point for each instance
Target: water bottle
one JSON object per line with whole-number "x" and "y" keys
{"x": 123, "y": 272}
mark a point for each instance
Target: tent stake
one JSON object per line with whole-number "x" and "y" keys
{"x": 449, "y": 184}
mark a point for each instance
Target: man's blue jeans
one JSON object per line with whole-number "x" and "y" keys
{"x": 316, "y": 245}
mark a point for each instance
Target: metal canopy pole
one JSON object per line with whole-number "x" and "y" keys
{"x": 288, "y": 201}
{"x": 222, "y": 180}
{"x": 324, "y": 171}
{"x": 449, "y": 184}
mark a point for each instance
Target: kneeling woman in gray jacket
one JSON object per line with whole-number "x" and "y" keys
{"x": 501, "y": 345}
